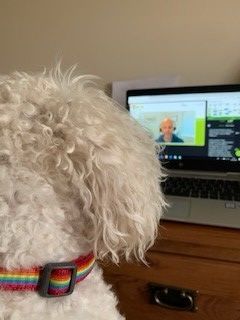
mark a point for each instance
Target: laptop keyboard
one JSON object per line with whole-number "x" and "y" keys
{"x": 202, "y": 188}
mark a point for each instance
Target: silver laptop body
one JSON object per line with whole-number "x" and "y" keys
{"x": 199, "y": 131}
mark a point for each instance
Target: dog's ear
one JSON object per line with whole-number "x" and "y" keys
{"x": 117, "y": 173}
{"x": 92, "y": 153}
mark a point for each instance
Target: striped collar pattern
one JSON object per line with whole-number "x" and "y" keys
{"x": 29, "y": 279}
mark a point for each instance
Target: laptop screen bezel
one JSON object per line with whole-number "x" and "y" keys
{"x": 202, "y": 164}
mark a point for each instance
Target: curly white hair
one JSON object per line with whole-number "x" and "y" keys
{"x": 77, "y": 174}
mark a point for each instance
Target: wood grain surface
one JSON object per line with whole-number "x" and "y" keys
{"x": 205, "y": 259}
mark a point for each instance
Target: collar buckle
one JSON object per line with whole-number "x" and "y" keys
{"x": 45, "y": 279}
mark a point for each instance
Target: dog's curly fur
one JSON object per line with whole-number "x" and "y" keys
{"x": 77, "y": 174}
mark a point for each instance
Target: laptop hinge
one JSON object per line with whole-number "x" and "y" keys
{"x": 235, "y": 175}
{"x": 204, "y": 174}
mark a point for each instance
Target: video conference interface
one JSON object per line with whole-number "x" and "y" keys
{"x": 191, "y": 125}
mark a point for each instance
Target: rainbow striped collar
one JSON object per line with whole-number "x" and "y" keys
{"x": 52, "y": 280}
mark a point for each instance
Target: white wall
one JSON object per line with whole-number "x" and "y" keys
{"x": 124, "y": 39}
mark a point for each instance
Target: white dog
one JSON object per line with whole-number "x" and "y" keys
{"x": 79, "y": 180}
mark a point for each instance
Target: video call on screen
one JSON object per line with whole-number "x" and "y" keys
{"x": 191, "y": 125}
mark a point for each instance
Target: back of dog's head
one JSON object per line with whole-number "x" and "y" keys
{"x": 77, "y": 173}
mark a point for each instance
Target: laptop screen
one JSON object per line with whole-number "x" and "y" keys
{"x": 192, "y": 123}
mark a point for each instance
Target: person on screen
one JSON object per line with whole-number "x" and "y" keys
{"x": 166, "y": 128}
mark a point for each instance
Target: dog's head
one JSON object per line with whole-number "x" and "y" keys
{"x": 76, "y": 172}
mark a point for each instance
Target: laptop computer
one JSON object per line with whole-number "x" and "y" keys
{"x": 198, "y": 129}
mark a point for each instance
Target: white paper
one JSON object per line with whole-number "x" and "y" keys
{"x": 119, "y": 88}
